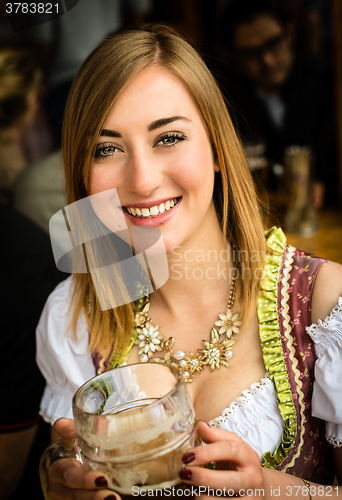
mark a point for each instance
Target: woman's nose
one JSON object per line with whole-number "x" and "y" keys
{"x": 143, "y": 174}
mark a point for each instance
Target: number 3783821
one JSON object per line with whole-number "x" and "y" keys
{"x": 31, "y": 8}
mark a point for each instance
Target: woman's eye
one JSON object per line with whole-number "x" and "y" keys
{"x": 104, "y": 150}
{"x": 170, "y": 140}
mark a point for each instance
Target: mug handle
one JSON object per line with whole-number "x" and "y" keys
{"x": 62, "y": 448}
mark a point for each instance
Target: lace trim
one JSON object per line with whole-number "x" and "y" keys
{"x": 247, "y": 396}
{"x": 311, "y": 330}
{"x": 337, "y": 443}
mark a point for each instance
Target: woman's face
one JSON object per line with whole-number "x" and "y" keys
{"x": 154, "y": 149}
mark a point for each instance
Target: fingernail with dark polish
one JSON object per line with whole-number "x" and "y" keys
{"x": 185, "y": 474}
{"x": 205, "y": 423}
{"x": 101, "y": 482}
{"x": 188, "y": 457}
{"x": 111, "y": 497}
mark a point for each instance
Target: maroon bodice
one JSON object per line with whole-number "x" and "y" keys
{"x": 310, "y": 454}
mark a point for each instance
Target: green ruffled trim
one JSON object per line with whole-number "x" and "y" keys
{"x": 269, "y": 330}
{"x": 119, "y": 358}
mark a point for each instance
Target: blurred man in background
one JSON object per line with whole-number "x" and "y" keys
{"x": 278, "y": 97}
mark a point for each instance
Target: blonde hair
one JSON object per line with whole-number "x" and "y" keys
{"x": 96, "y": 87}
{"x": 19, "y": 74}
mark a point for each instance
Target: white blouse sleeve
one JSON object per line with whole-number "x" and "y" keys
{"x": 62, "y": 357}
{"x": 327, "y": 388}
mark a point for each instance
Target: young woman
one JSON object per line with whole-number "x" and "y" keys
{"x": 145, "y": 117}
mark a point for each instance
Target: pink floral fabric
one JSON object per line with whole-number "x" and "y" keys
{"x": 315, "y": 459}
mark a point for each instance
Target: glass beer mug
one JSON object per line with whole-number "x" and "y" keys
{"x": 134, "y": 424}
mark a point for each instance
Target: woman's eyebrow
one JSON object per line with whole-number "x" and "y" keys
{"x": 152, "y": 126}
{"x": 109, "y": 133}
{"x": 164, "y": 121}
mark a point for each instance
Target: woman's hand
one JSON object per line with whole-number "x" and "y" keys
{"x": 67, "y": 478}
{"x": 238, "y": 465}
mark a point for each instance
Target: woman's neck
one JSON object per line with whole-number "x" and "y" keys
{"x": 199, "y": 272}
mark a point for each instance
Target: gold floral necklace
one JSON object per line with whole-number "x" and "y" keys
{"x": 217, "y": 352}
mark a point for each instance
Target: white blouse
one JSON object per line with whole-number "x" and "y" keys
{"x": 66, "y": 364}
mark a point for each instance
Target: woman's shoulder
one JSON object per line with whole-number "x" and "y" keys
{"x": 55, "y": 324}
{"x": 56, "y": 312}
{"x": 327, "y": 290}
{"x": 62, "y": 293}
{"x": 326, "y": 333}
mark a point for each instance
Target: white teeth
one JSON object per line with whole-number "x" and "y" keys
{"x": 153, "y": 211}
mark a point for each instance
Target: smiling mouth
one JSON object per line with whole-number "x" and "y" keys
{"x": 150, "y": 213}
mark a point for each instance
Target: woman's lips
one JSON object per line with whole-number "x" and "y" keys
{"x": 152, "y": 211}
{"x": 153, "y": 216}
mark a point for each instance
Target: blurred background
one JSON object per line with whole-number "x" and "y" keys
{"x": 279, "y": 65}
